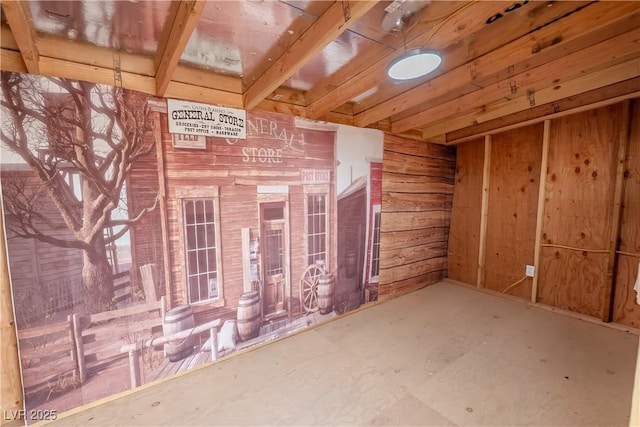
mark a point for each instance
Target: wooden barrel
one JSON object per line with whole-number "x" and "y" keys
{"x": 178, "y": 319}
{"x": 325, "y": 293}
{"x": 350, "y": 264}
{"x": 249, "y": 315}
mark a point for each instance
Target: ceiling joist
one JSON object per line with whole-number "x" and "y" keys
{"x": 501, "y": 60}
{"x": 19, "y": 20}
{"x": 522, "y": 54}
{"x": 174, "y": 41}
{"x": 329, "y": 25}
{"x": 601, "y": 55}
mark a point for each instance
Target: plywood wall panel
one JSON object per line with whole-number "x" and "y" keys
{"x": 516, "y": 156}
{"x": 626, "y": 311}
{"x": 464, "y": 235}
{"x": 417, "y": 188}
{"x": 578, "y": 209}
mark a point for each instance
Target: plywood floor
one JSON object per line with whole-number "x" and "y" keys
{"x": 445, "y": 355}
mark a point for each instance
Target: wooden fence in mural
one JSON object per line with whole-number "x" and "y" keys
{"x": 66, "y": 352}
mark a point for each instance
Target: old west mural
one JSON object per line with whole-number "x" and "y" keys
{"x": 142, "y": 253}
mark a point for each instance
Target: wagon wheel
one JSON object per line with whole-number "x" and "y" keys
{"x": 309, "y": 287}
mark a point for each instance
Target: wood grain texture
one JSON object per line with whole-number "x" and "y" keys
{"x": 626, "y": 311}
{"x": 465, "y": 218}
{"x": 513, "y": 201}
{"x": 10, "y": 381}
{"x": 578, "y": 209}
{"x": 417, "y": 187}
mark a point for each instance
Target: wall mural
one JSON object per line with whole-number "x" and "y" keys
{"x": 136, "y": 253}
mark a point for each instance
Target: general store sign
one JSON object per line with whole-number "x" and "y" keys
{"x": 193, "y": 118}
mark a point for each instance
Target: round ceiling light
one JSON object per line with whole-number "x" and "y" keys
{"x": 413, "y": 64}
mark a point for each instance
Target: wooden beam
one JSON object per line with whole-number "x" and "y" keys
{"x": 600, "y": 97}
{"x": 203, "y": 94}
{"x": 178, "y": 34}
{"x": 469, "y": 119}
{"x": 618, "y": 195}
{"x": 540, "y": 211}
{"x": 520, "y": 55}
{"x": 484, "y": 210}
{"x": 337, "y": 19}
{"x": 327, "y": 95}
{"x": 19, "y": 19}
{"x": 10, "y": 379}
{"x": 465, "y": 36}
{"x": 88, "y": 54}
{"x": 520, "y": 88}
{"x": 10, "y": 60}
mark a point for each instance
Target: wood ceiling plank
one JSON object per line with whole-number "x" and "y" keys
{"x": 11, "y": 60}
{"x": 552, "y": 95}
{"x": 206, "y": 78}
{"x": 463, "y": 36}
{"x": 609, "y": 52}
{"x": 76, "y": 71}
{"x": 615, "y": 91}
{"x": 418, "y": 25}
{"x": 604, "y": 77}
{"x": 551, "y": 42}
{"x": 203, "y": 94}
{"x": 84, "y": 53}
{"x": 19, "y": 19}
{"x": 322, "y": 32}
{"x": 184, "y": 22}
{"x": 6, "y": 38}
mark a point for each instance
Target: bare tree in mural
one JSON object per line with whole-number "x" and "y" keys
{"x": 61, "y": 128}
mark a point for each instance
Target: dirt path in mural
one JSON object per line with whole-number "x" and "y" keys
{"x": 99, "y": 385}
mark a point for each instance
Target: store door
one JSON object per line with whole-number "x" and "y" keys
{"x": 273, "y": 258}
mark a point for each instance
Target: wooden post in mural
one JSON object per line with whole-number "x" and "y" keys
{"x": 246, "y": 260}
{"x": 10, "y": 380}
{"x": 77, "y": 333}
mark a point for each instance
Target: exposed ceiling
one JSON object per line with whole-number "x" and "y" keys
{"x": 503, "y": 62}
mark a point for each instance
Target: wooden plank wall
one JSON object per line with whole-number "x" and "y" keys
{"x": 513, "y": 200}
{"x": 417, "y": 191}
{"x": 579, "y": 216}
{"x": 464, "y": 244}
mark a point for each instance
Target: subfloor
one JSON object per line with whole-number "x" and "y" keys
{"x": 444, "y": 355}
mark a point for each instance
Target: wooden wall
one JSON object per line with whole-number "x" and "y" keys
{"x": 464, "y": 245}
{"x": 626, "y": 311}
{"x": 513, "y": 200}
{"x": 589, "y": 183}
{"x": 578, "y": 210}
{"x": 417, "y": 191}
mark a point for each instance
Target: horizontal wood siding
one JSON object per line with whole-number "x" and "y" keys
{"x": 417, "y": 191}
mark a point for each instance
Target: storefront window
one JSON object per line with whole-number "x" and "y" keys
{"x": 200, "y": 240}
{"x": 317, "y": 228}
{"x": 375, "y": 245}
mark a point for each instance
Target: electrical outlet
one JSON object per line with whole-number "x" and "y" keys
{"x": 530, "y": 271}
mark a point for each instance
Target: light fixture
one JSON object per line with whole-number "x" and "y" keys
{"x": 413, "y": 64}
